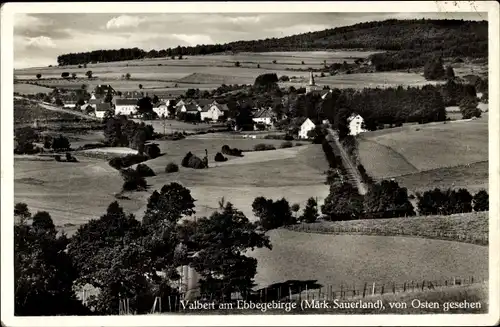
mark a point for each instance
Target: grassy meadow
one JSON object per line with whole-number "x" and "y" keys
{"x": 431, "y": 155}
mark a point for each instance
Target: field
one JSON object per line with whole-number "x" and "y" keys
{"x": 167, "y": 77}
{"x": 76, "y": 192}
{"x": 356, "y": 259}
{"x": 468, "y": 227}
{"x": 23, "y": 88}
{"x": 430, "y": 155}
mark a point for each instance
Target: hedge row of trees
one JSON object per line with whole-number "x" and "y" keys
{"x": 127, "y": 258}
{"x": 410, "y": 43}
{"x": 120, "y": 131}
{"x": 447, "y": 202}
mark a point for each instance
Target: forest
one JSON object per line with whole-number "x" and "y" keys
{"x": 408, "y": 43}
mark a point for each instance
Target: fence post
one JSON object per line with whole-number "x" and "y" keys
{"x": 341, "y": 291}
{"x": 319, "y": 294}
{"x": 364, "y": 291}
{"x": 404, "y": 287}
{"x": 307, "y": 294}
{"x": 393, "y": 288}
{"x": 290, "y": 293}
{"x": 423, "y": 284}
{"x": 454, "y": 281}
{"x": 382, "y": 290}
{"x": 472, "y": 279}
{"x": 373, "y": 289}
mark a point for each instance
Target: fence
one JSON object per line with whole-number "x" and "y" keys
{"x": 448, "y": 236}
{"x": 293, "y": 293}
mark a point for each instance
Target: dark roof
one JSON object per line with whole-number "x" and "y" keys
{"x": 125, "y": 102}
{"x": 190, "y": 107}
{"x": 103, "y": 106}
{"x": 204, "y": 102}
{"x": 95, "y": 101}
{"x": 264, "y": 113}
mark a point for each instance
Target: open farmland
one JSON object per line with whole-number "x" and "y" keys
{"x": 167, "y": 77}
{"x": 430, "y": 155}
{"x": 76, "y": 192}
{"x": 24, "y": 88}
{"x": 356, "y": 259}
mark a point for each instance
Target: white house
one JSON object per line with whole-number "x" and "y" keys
{"x": 189, "y": 108}
{"x": 161, "y": 109}
{"x": 355, "y": 123}
{"x": 70, "y": 104}
{"x": 264, "y": 116}
{"x": 125, "y": 106}
{"x": 214, "y": 111}
{"x": 306, "y": 126}
{"x": 101, "y": 109}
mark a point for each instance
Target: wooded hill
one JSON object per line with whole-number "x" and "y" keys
{"x": 408, "y": 43}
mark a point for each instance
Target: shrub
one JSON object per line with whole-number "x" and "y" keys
{"x": 286, "y": 144}
{"x": 263, "y": 147}
{"x": 132, "y": 180}
{"x": 192, "y": 161}
{"x": 298, "y": 144}
{"x": 57, "y": 158}
{"x": 185, "y": 160}
{"x": 152, "y": 150}
{"x": 288, "y": 137}
{"x": 127, "y": 161}
{"x": 171, "y": 168}
{"x": 231, "y": 151}
{"x": 220, "y": 157}
{"x": 144, "y": 170}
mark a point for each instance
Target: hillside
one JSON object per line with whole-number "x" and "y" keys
{"x": 409, "y": 43}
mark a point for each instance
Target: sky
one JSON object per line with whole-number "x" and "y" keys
{"x": 40, "y": 38}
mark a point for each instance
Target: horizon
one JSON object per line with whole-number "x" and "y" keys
{"x": 40, "y": 38}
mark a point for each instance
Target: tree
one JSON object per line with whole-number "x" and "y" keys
{"x": 111, "y": 254}
{"x": 220, "y": 243}
{"x": 127, "y": 76}
{"x": 25, "y": 136}
{"x": 481, "y": 201}
{"x": 468, "y": 107}
{"x": 387, "y": 200}
{"x": 434, "y": 69}
{"x": 73, "y": 75}
{"x": 450, "y": 73}
{"x": 155, "y": 99}
{"x": 140, "y": 86}
{"x": 437, "y": 202}
{"x": 237, "y": 64}
{"x": 60, "y": 143}
{"x": 38, "y": 76}
{"x": 89, "y": 74}
{"x": 43, "y": 272}
{"x": 274, "y": 61}
{"x": 342, "y": 203}
{"x": 310, "y": 213}
{"x": 258, "y": 65}
{"x": 272, "y": 214}
{"x": 21, "y": 210}
{"x": 64, "y": 75}
{"x": 295, "y": 209}
{"x": 144, "y": 105}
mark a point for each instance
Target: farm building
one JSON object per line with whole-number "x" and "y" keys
{"x": 203, "y": 104}
{"x": 125, "y": 106}
{"x": 93, "y": 102}
{"x": 264, "y": 116}
{"x": 101, "y": 109}
{"x": 214, "y": 112}
{"x": 189, "y": 108}
{"x": 161, "y": 109}
{"x": 306, "y": 126}
{"x": 70, "y": 104}
{"x": 104, "y": 89}
{"x": 355, "y": 122}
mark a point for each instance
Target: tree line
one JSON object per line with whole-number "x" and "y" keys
{"x": 124, "y": 257}
{"x": 409, "y": 43}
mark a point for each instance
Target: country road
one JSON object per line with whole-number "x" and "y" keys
{"x": 59, "y": 109}
{"x": 348, "y": 164}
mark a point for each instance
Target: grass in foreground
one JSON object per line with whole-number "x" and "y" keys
{"x": 468, "y": 227}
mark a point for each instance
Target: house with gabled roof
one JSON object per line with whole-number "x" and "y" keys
{"x": 125, "y": 106}
{"x": 355, "y": 123}
{"x": 307, "y": 126}
{"x": 214, "y": 111}
{"x": 102, "y": 108}
{"x": 264, "y": 116}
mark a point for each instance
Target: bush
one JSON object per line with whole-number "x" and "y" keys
{"x": 133, "y": 181}
{"x": 231, "y": 151}
{"x": 57, "y": 158}
{"x": 171, "y": 168}
{"x": 286, "y": 144}
{"x": 144, "y": 170}
{"x": 152, "y": 150}
{"x": 298, "y": 144}
{"x": 263, "y": 147}
{"x": 127, "y": 161}
{"x": 219, "y": 157}
{"x": 288, "y": 137}
{"x": 192, "y": 161}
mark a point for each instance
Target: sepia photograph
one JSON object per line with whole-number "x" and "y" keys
{"x": 267, "y": 163}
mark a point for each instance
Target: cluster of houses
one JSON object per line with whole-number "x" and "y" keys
{"x": 206, "y": 110}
